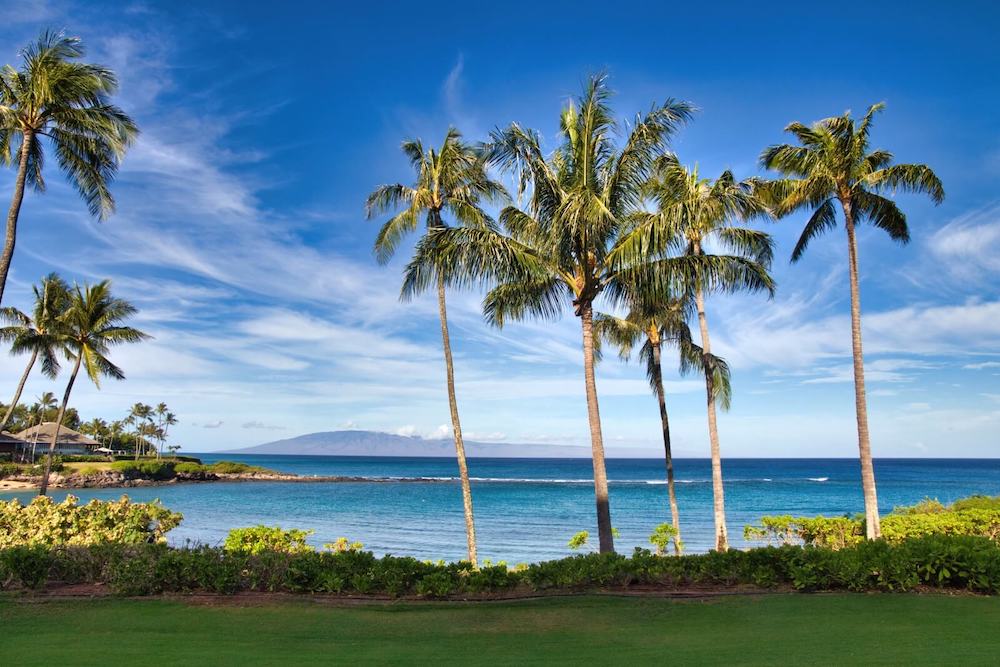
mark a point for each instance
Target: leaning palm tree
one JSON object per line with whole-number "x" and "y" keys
{"x": 656, "y": 322}
{"x": 52, "y": 96}
{"x": 693, "y": 215}
{"x": 450, "y": 181}
{"x": 91, "y": 326}
{"x": 37, "y": 333}
{"x": 559, "y": 250}
{"x": 833, "y": 166}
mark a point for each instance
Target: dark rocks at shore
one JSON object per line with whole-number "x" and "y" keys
{"x": 113, "y": 479}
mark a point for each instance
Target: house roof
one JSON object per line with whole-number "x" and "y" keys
{"x": 67, "y": 436}
{"x": 10, "y": 439}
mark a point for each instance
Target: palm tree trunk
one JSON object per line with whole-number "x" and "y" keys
{"x": 873, "y": 527}
{"x": 718, "y": 492}
{"x": 675, "y": 520}
{"x": 20, "y": 388}
{"x": 456, "y": 427}
{"x": 605, "y": 536}
{"x": 15, "y": 210}
{"x": 59, "y": 417}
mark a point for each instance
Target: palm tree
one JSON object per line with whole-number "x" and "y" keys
{"x": 140, "y": 416}
{"x": 67, "y": 102}
{"x": 693, "y": 214}
{"x": 561, "y": 249}
{"x": 37, "y": 333}
{"x": 831, "y": 166}
{"x": 92, "y": 325}
{"x": 453, "y": 181}
{"x": 658, "y": 322}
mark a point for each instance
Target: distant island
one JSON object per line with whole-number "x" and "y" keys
{"x": 376, "y": 443}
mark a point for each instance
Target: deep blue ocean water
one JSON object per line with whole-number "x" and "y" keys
{"x": 527, "y": 509}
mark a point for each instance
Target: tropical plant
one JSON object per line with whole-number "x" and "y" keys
{"x": 93, "y": 323}
{"x": 451, "y": 181}
{"x": 694, "y": 215}
{"x": 656, "y": 322}
{"x": 54, "y": 96}
{"x": 37, "y": 333}
{"x": 831, "y": 166}
{"x": 562, "y": 249}
{"x": 139, "y": 417}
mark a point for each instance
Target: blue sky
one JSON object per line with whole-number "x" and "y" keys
{"x": 240, "y": 231}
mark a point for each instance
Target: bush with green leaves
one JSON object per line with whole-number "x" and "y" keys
{"x": 934, "y": 561}
{"x": 236, "y": 468}
{"x": 155, "y": 470}
{"x": 978, "y": 516}
{"x": 44, "y": 522}
{"x": 258, "y": 539}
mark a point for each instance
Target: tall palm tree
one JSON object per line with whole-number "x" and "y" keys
{"x": 37, "y": 333}
{"x": 560, "y": 249}
{"x": 831, "y": 166}
{"x": 450, "y": 181}
{"x": 92, "y": 325}
{"x": 140, "y": 416}
{"x": 67, "y": 102}
{"x": 657, "y": 322}
{"x": 693, "y": 215}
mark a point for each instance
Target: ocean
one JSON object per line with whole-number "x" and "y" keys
{"x": 527, "y": 509}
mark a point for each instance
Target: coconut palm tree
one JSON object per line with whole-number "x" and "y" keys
{"x": 66, "y": 102}
{"x": 832, "y": 166}
{"x": 656, "y": 322}
{"x": 560, "y": 249}
{"x": 140, "y": 417}
{"x": 452, "y": 182}
{"x": 37, "y": 333}
{"x": 92, "y": 325}
{"x": 694, "y": 215}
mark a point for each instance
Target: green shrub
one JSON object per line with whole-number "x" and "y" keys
{"x": 257, "y": 539}
{"x": 10, "y": 470}
{"x": 47, "y": 523}
{"x": 977, "y": 503}
{"x": 936, "y": 561}
{"x": 156, "y": 470}
{"x": 975, "y": 516}
{"x": 235, "y": 468}
{"x": 82, "y": 458}
{"x": 189, "y": 468}
{"x": 661, "y": 538}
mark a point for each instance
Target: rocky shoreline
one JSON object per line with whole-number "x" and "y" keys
{"x": 111, "y": 479}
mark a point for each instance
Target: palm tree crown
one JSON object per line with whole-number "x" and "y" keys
{"x": 37, "y": 334}
{"x": 833, "y": 163}
{"x": 66, "y": 102}
{"x": 451, "y": 180}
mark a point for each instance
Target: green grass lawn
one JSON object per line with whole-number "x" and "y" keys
{"x": 775, "y": 629}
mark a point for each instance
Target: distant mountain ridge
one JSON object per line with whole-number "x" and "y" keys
{"x": 376, "y": 443}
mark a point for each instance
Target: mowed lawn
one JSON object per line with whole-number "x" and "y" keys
{"x": 773, "y": 629}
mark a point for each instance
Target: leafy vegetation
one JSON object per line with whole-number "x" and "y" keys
{"x": 271, "y": 559}
{"x": 258, "y": 539}
{"x": 975, "y": 516}
{"x": 44, "y": 523}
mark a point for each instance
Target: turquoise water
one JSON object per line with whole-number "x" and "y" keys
{"x": 527, "y": 509}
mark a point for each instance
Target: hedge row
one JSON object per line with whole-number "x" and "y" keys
{"x": 967, "y": 563}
